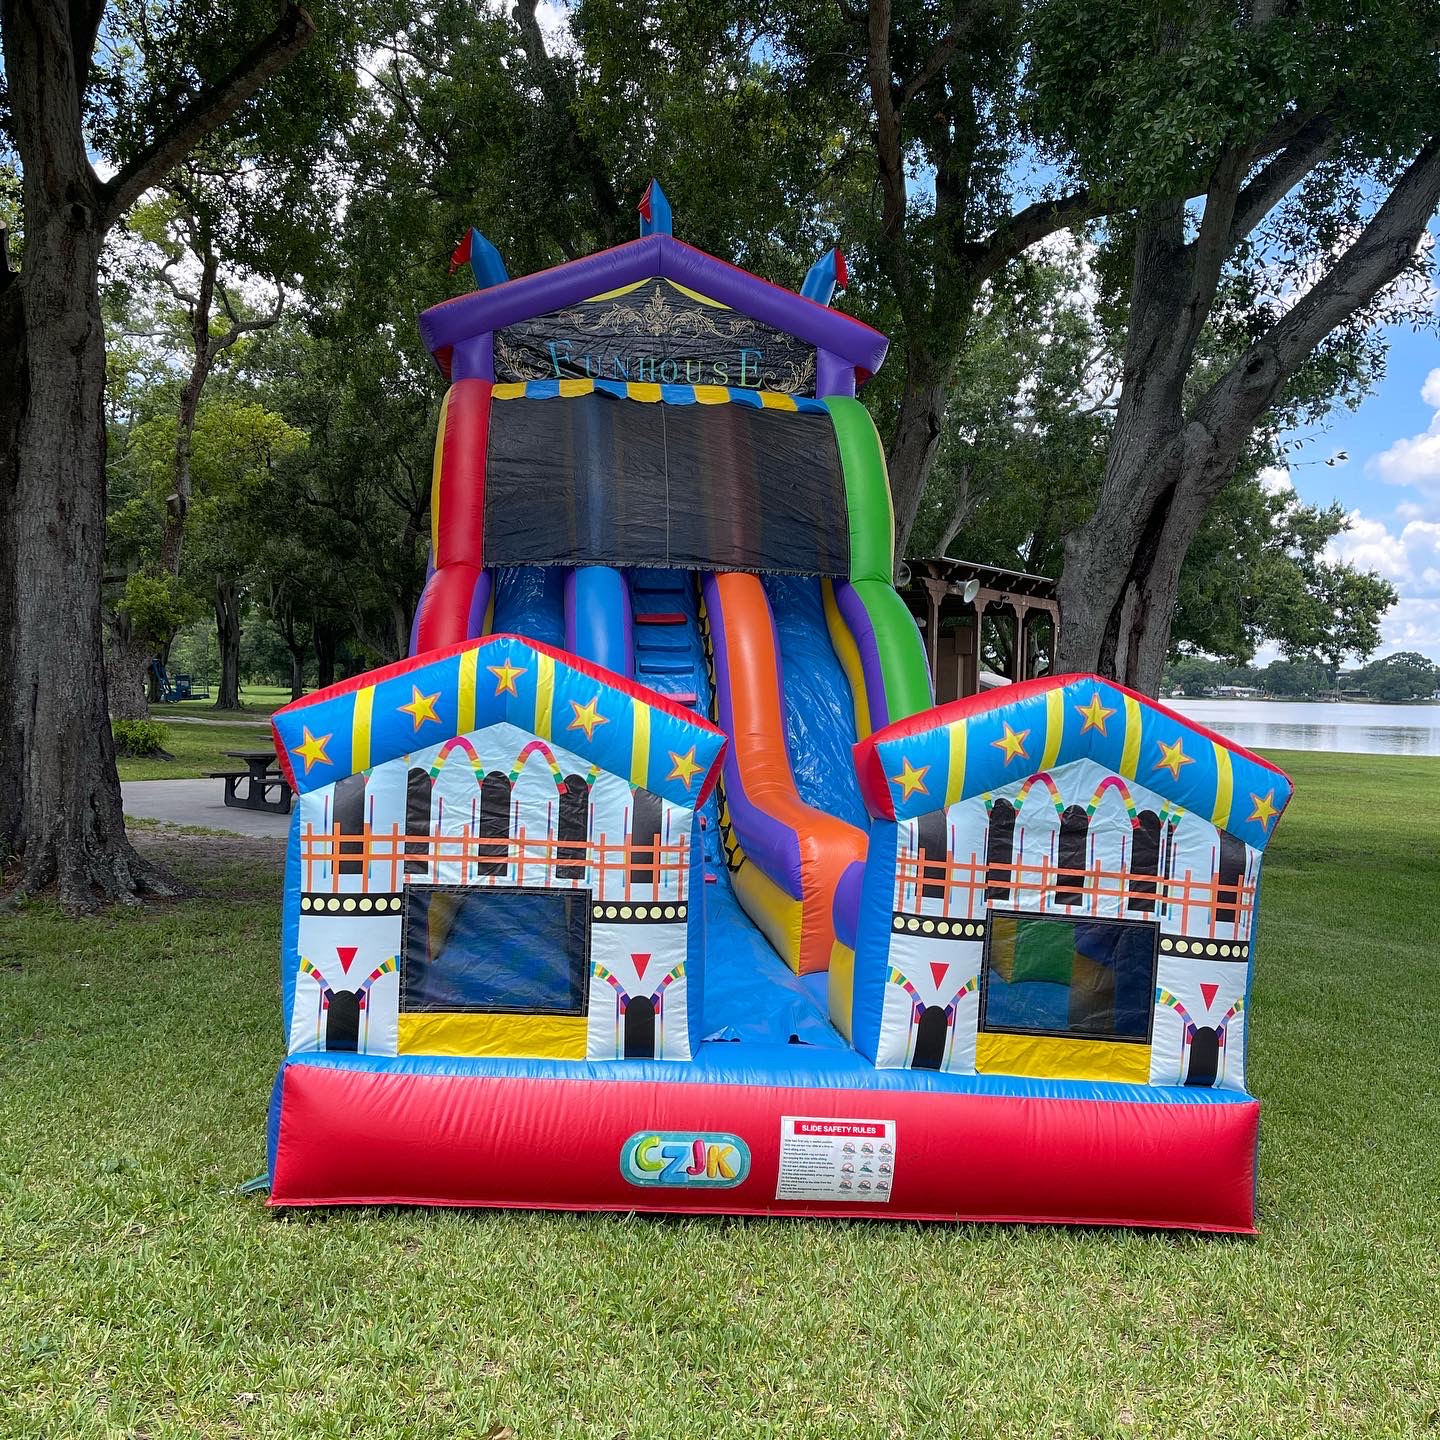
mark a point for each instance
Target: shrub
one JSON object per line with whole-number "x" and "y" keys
{"x": 134, "y": 738}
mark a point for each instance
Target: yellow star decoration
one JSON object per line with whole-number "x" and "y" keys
{"x": 505, "y": 676}
{"x": 910, "y": 779}
{"x": 587, "y": 717}
{"x": 421, "y": 707}
{"x": 1172, "y": 757}
{"x": 1094, "y": 714}
{"x": 312, "y": 750}
{"x": 1012, "y": 744}
{"x": 686, "y": 767}
{"x": 1265, "y": 810}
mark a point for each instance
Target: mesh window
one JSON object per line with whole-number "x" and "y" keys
{"x": 597, "y": 480}
{"x": 493, "y": 948}
{"x": 1045, "y": 975}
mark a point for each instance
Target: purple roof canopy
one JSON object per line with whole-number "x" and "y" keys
{"x": 451, "y": 322}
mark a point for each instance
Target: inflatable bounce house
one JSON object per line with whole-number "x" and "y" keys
{"x": 653, "y": 881}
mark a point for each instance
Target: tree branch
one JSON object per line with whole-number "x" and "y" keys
{"x": 1032, "y": 224}
{"x": 209, "y": 110}
{"x": 1377, "y": 257}
{"x": 944, "y": 50}
{"x": 1280, "y": 175}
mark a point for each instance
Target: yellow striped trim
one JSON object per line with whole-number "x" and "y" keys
{"x": 650, "y": 394}
{"x": 544, "y": 695}
{"x": 955, "y": 774}
{"x": 1054, "y": 727}
{"x": 543, "y": 1037}
{"x": 640, "y": 746}
{"x": 840, "y": 988}
{"x": 1224, "y": 787}
{"x": 510, "y": 390}
{"x": 1130, "y": 755}
{"x": 436, "y": 493}
{"x": 465, "y": 705}
{"x": 843, "y": 643}
{"x": 615, "y": 294}
{"x": 711, "y": 395}
{"x": 695, "y": 295}
{"x": 360, "y": 730}
{"x": 774, "y": 400}
{"x": 1048, "y": 1057}
{"x": 574, "y": 385}
{"x": 778, "y": 916}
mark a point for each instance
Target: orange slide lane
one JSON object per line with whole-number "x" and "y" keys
{"x": 794, "y": 855}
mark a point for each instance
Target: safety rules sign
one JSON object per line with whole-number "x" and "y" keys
{"x": 826, "y": 1159}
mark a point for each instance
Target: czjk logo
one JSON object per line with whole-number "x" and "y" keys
{"x": 683, "y": 1159}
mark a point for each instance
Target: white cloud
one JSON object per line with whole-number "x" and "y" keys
{"x": 1275, "y": 479}
{"x": 1414, "y": 460}
{"x": 1430, "y": 390}
{"x": 1408, "y": 557}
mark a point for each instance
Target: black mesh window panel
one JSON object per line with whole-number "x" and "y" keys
{"x": 418, "y": 787}
{"x": 1144, "y": 860}
{"x": 571, "y": 832}
{"x": 494, "y": 856}
{"x": 644, "y": 836}
{"x": 1232, "y": 872}
{"x": 599, "y": 480}
{"x": 931, "y": 838}
{"x": 999, "y": 850}
{"x": 350, "y": 818}
{"x": 1074, "y": 837}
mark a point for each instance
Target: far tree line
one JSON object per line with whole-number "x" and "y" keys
{"x": 1121, "y": 249}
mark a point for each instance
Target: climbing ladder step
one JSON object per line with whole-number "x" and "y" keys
{"x": 662, "y": 640}
{"x": 662, "y": 617}
{"x": 648, "y": 664}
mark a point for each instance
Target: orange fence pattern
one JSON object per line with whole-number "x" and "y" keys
{"x": 966, "y": 882}
{"x": 383, "y": 858}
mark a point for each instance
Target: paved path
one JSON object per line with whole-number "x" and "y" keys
{"x": 197, "y": 802}
{"x": 263, "y": 720}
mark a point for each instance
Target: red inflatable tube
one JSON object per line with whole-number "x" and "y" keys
{"x": 364, "y": 1137}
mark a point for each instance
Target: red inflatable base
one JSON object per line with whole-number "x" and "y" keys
{"x": 353, "y": 1137}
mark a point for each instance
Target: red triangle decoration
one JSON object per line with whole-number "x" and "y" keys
{"x": 1209, "y": 992}
{"x": 347, "y": 956}
{"x": 938, "y": 970}
{"x": 641, "y": 961}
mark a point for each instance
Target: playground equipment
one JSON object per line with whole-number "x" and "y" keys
{"x": 654, "y": 881}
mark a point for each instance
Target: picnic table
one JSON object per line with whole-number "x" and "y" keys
{"x": 259, "y": 777}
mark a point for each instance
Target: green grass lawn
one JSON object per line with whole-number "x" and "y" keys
{"x": 255, "y": 700}
{"x": 198, "y": 750}
{"x": 140, "y": 1296}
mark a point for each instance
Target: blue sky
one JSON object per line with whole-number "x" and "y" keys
{"x": 1389, "y": 485}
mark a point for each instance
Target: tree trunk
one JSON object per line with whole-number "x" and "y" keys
{"x": 297, "y": 671}
{"x": 327, "y": 640}
{"x": 913, "y": 448}
{"x": 227, "y": 626}
{"x": 12, "y": 407}
{"x": 71, "y": 829}
{"x": 127, "y": 668}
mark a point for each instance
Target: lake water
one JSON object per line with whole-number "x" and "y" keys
{"x": 1357, "y": 729}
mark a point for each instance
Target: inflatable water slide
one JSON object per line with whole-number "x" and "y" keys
{"x": 653, "y": 879}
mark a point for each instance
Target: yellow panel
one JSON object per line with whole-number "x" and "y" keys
{"x": 1054, "y": 727}
{"x": 1130, "y": 756}
{"x": 544, "y": 694}
{"x": 694, "y": 294}
{"x": 841, "y": 988}
{"x": 437, "y": 493}
{"x": 778, "y": 915}
{"x": 843, "y": 643}
{"x": 541, "y": 1037}
{"x": 1048, "y": 1057}
{"x": 576, "y": 385}
{"x": 711, "y": 395}
{"x": 650, "y": 394}
{"x": 510, "y": 390}
{"x": 360, "y": 730}
{"x": 773, "y": 400}
{"x": 640, "y": 746}
{"x": 612, "y": 294}
{"x": 1224, "y": 787}
{"x": 465, "y": 707}
{"x": 955, "y": 774}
